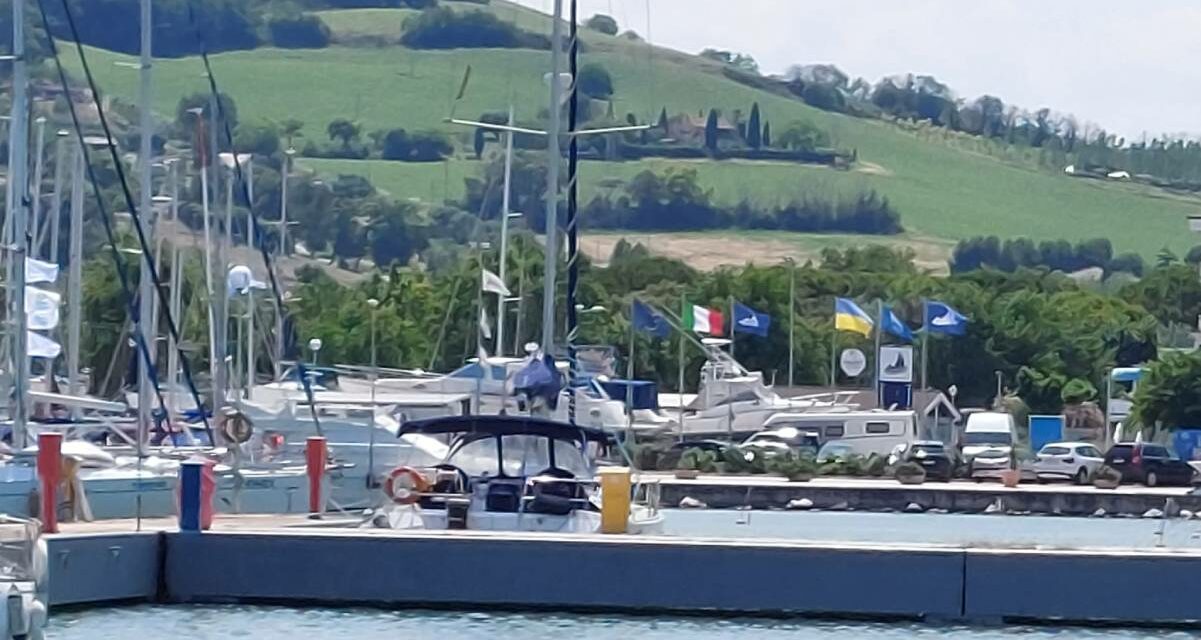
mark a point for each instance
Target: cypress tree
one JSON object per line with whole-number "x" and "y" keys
{"x": 711, "y": 131}
{"x": 663, "y": 119}
{"x": 754, "y": 129}
{"x": 767, "y": 134}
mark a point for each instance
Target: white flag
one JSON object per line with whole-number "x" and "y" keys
{"x": 493, "y": 284}
{"x": 39, "y": 346}
{"x": 41, "y": 308}
{"x": 38, "y": 271}
{"x": 485, "y": 325}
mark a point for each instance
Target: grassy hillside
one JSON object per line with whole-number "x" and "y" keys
{"x": 941, "y": 190}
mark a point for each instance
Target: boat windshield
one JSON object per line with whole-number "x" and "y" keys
{"x": 521, "y": 456}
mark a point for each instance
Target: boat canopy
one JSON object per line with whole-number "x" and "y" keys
{"x": 505, "y": 426}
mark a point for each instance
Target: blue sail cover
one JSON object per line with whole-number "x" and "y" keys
{"x": 539, "y": 380}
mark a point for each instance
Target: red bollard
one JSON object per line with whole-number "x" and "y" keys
{"x": 50, "y": 475}
{"x": 315, "y": 453}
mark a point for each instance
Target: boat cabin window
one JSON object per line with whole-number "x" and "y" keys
{"x": 878, "y": 428}
{"x": 518, "y": 456}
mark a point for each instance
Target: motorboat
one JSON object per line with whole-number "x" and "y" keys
{"x": 734, "y": 402}
{"x": 509, "y": 473}
{"x": 24, "y": 579}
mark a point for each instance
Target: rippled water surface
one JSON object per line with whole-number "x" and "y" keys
{"x": 277, "y": 623}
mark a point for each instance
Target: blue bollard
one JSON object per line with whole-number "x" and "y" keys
{"x": 190, "y": 481}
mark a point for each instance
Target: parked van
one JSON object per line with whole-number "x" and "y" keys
{"x": 867, "y": 432}
{"x": 987, "y": 431}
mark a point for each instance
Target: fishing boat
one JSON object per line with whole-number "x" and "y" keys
{"x": 509, "y": 473}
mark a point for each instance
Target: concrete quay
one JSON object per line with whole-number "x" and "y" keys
{"x": 882, "y": 494}
{"x": 281, "y": 560}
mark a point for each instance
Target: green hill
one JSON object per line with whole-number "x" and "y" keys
{"x": 940, "y": 185}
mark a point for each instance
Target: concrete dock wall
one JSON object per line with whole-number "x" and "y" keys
{"x": 88, "y": 569}
{"x": 470, "y": 570}
{"x": 560, "y": 573}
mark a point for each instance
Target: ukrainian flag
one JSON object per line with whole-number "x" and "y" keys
{"x": 849, "y": 317}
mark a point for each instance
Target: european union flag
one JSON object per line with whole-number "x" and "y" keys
{"x": 890, "y": 323}
{"x": 646, "y": 319}
{"x": 941, "y": 318}
{"x": 747, "y": 320}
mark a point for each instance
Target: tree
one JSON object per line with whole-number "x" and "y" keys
{"x": 767, "y": 134}
{"x": 445, "y": 28}
{"x": 1193, "y": 256}
{"x": 290, "y": 129}
{"x": 740, "y": 61}
{"x": 1171, "y": 293}
{"x": 261, "y": 140}
{"x": 185, "y": 115}
{"x": 390, "y": 235}
{"x": 344, "y": 130}
{"x": 303, "y": 31}
{"x": 478, "y": 142}
{"x": 595, "y": 82}
{"x": 1169, "y": 395}
{"x": 662, "y": 123}
{"x": 603, "y": 23}
{"x": 802, "y": 136}
{"x": 711, "y": 131}
{"x": 754, "y": 130}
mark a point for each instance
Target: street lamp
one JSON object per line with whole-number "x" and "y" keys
{"x": 314, "y": 347}
{"x": 374, "y": 304}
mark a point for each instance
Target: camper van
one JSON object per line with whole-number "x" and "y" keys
{"x": 867, "y": 432}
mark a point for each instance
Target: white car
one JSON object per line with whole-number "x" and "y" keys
{"x": 1077, "y": 461}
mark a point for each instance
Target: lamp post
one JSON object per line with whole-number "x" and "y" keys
{"x": 374, "y": 304}
{"x": 314, "y": 347}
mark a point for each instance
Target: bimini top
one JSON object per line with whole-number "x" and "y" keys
{"x": 496, "y": 425}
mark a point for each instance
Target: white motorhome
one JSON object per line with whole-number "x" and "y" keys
{"x": 866, "y": 432}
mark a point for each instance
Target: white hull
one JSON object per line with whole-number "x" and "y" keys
{"x": 642, "y": 521}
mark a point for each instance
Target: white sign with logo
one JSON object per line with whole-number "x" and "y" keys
{"x": 853, "y": 362}
{"x": 896, "y": 364}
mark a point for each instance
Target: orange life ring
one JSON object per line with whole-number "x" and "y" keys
{"x": 405, "y": 485}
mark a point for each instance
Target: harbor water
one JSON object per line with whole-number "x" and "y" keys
{"x": 275, "y": 623}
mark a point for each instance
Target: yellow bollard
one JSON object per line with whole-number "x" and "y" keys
{"x": 615, "y": 499}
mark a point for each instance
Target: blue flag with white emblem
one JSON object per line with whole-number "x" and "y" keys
{"x": 941, "y": 318}
{"x": 747, "y": 320}
{"x": 646, "y": 319}
{"x": 890, "y": 323}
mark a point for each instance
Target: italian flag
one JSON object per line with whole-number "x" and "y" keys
{"x": 702, "y": 320}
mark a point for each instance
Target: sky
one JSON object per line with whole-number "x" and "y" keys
{"x": 1130, "y": 67}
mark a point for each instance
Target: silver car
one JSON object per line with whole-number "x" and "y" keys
{"x": 1076, "y": 461}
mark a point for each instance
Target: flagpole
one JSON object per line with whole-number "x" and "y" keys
{"x": 879, "y": 332}
{"x": 791, "y": 322}
{"x": 733, "y": 324}
{"x": 630, "y": 381}
{"x": 834, "y": 348}
{"x": 680, "y": 379}
{"x": 479, "y": 333}
{"x": 925, "y": 341}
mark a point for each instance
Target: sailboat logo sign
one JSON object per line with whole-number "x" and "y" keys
{"x": 896, "y": 364}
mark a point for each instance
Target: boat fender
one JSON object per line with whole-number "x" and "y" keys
{"x": 405, "y": 485}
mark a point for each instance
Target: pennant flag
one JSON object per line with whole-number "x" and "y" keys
{"x": 39, "y": 346}
{"x": 646, "y": 319}
{"x": 849, "y": 317}
{"x": 702, "y": 320}
{"x": 41, "y": 309}
{"x": 891, "y": 324}
{"x": 941, "y": 318}
{"x": 485, "y": 325}
{"x": 492, "y": 283}
{"x": 747, "y": 320}
{"x": 38, "y": 271}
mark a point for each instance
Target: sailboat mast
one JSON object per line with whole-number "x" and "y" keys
{"x": 504, "y": 237}
{"x": 18, "y": 194}
{"x": 146, "y": 218}
{"x": 573, "y": 265}
{"x": 553, "y": 157}
{"x": 75, "y": 275}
